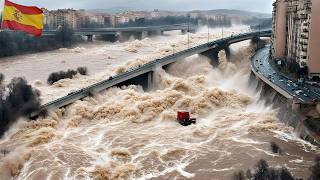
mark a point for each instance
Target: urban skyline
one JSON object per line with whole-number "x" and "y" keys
{"x": 173, "y": 5}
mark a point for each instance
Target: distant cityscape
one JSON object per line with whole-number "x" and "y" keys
{"x": 85, "y": 18}
{"x": 82, "y": 18}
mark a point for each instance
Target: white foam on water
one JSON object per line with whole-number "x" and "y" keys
{"x": 126, "y": 133}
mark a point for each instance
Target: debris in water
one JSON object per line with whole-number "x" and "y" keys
{"x": 315, "y": 169}
{"x": 184, "y": 119}
{"x": 275, "y": 148}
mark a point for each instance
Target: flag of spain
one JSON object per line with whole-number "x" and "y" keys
{"x": 24, "y": 18}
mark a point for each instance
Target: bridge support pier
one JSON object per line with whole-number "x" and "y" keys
{"x": 228, "y": 52}
{"x": 258, "y": 43}
{"x": 184, "y": 31}
{"x": 213, "y": 56}
{"x": 192, "y": 31}
{"x": 90, "y": 38}
{"x": 144, "y": 80}
{"x": 109, "y": 37}
{"x": 143, "y": 35}
{"x": 150, "y": 80}
{"x": 124, "y": 36}
{"x": 155, "y": 33}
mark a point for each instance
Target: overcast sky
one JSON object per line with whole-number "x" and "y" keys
{"x": 179, "y": 5}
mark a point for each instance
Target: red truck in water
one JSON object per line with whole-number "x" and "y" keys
{"x": 184, "y": 119}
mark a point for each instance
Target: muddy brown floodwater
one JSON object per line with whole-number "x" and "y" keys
{"x": 126, "y": 133}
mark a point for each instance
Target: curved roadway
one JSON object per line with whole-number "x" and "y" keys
{"x": 285, "y": 85}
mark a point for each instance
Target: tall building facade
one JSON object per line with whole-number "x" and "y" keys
{"x": 296, "y": 30}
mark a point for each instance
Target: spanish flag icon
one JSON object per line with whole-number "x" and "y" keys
{"x": 28, "y": 19}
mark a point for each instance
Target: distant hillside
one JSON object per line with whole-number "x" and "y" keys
{"x": 236, "y": 16}
{"x": 227, "y": 12}
{"x": 233, "y": 12}
{"x": 239, "y": 13}
{"x": 113, "y": 10}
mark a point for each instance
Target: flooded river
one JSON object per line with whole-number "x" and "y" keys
{"x": 126, "y": 133}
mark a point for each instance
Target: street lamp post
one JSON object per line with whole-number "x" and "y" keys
{"x": 221, "y": 23}
{"x": 258, "y": 43}
{"x": 208, "y": 28}
{"x": 172, "y": 45}
{"x": 188, "y": 31}
{"x": 259, "y": 24}
{"x": 222, "y": 31}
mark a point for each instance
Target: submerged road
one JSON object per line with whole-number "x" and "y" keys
{"x": 285, "y": 85}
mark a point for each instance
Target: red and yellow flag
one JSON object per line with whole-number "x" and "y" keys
{"x": 24, "y": 18}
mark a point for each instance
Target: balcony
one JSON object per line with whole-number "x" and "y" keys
{"x": 305, "y": 29}
{"x": 303, "y": 59}
{"x": 304, "y": 41}
{"x": 304, "y": 48}
{"x": 303, "y": 54}
{"x": 304, "y": 35}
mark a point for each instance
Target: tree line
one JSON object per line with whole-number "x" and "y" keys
{"x": 169, "y": 20}
{"x": 17, "y": 99}
{"x": 15, "y": 42}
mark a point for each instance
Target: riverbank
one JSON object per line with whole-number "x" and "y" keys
{"x": 17, "y": 43}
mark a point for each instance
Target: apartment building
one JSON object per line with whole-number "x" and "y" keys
{"x": 61, "y": 17}
{"x": 296, "y": 31}
{"x": 75, "y": 18}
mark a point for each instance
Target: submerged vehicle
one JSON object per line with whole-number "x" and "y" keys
{"x": 184, "y": 119}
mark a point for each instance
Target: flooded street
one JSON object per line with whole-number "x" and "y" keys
{"x": 126, "y": 133}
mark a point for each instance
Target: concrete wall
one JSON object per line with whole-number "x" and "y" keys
{"x": 314, "y": 44}
{"x": 280, "y": 29}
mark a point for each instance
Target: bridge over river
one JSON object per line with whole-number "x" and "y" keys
{"x": 143, "y": 75}
{"x": 126, "y": 32}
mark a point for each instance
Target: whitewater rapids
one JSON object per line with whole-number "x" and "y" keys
{"x": 126, "y": 133}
